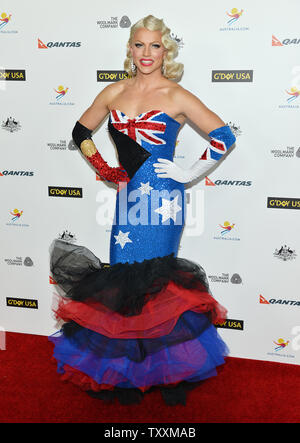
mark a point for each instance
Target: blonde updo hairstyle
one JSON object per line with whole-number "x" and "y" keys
{"x": 172, "y": 69}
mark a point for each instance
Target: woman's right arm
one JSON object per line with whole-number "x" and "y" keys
{"x": 99, "y": 109}
{"x": 82, "y": 135}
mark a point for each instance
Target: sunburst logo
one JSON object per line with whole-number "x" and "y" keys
{"x": 227, "y": 227}
{"x": 61, "y": 91}
{"x": 280, "y": 344}
{"x": 233, "y": 23}
{"x": 226, "y": 232}
{"x": 294, "y": 93}
{"x": 16, "y": 214}
{"x": 4, "y": 19}
{"x": 234, "y": 15}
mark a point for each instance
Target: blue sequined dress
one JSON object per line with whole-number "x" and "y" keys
{"x": 145, "y": 321}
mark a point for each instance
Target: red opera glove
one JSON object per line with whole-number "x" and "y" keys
{"x": 82, "y": 136}
{"x": 115, "y": 175}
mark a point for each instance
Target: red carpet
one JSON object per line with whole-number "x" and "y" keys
{"x": 244, "y": 391}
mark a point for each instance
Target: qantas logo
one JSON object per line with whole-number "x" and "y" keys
{"x": 22, "y": 173}
{"x": 209, "y": 182}
{"x": 274, "y": 301}
{"x": 48, "y": 45}
{"x": 285, "y": 42}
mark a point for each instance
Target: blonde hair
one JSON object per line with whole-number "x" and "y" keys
{"x": 172, "y": 69}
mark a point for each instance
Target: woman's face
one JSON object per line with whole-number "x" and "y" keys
{"x": 147, "y": 50}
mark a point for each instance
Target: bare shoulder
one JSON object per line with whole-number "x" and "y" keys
{"x": 185, "y": 99}
{"x": 99, "y": 109}
{"x": 196, "y": 111}
{"x": 110, "y": 91}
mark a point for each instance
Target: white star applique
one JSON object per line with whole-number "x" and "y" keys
{"x": 169, "y": 209}
{"x": 145, "y": 188}
{"x": 122, "y": 239}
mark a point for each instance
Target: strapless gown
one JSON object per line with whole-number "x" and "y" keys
{"x": 147, "y": 319}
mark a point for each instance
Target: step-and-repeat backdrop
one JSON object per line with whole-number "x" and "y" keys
{"x": 241, "y": 59}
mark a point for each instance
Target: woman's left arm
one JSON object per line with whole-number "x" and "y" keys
{"x": 210, "y": 123}
{"x": 196, "y": 111}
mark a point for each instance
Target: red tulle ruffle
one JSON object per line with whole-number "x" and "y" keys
{"x": 158, "y": 317}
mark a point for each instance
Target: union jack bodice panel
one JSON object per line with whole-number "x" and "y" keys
{"x": 148, "y": 136}
{"x": 151, "y": 127}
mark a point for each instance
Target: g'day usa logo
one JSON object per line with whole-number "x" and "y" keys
{"x": 283, "y": 203}
{"x": 63, "y": 191}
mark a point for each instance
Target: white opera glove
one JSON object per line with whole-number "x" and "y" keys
{"x": 221, "y": 140}
{"x": 168, "y": 169}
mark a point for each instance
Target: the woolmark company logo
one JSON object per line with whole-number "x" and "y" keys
{"x": 286, "y": 152}
{"x": 224, "y": 278}
{"x": 232, "y": 76}
{"x": 114, "y": 22}
{"x": 62, "y": 145}
{"x": 58, "y": 145}
{"x": 18, "y": 261}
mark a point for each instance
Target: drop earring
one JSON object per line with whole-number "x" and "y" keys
{"x": 163, "y": 68}
{"x": 133, "y": 66}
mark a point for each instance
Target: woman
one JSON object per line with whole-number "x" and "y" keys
{"x": 146, "y": 321}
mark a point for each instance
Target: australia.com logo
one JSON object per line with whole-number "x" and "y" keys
{"x": 59, "y": 44}
{"x": 5, "y": 23}
{"x": 233, "y": 17}
{"x": 61, "y": 92}
{"x": 15, "y": 216}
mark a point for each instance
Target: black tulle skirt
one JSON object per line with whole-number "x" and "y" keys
{"x": 130, "y": 328}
